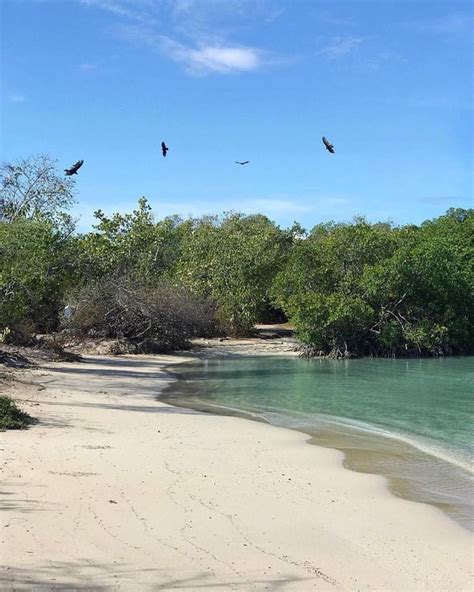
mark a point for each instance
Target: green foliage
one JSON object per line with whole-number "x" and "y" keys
{"x": 11, "y": 417}
{"x": 132, "y": 242}
{"x": 35, "y": 231}
{"x": 35, "y": 268}
{"x": 374, "y": 289}
{"x": 233, "y": 262}
{"x": 349, "y": 289}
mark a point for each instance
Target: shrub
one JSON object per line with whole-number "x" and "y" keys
{"x": 12, "y": 418}
{"x": 35, "y": 269}
{"x": 160, "y": 317}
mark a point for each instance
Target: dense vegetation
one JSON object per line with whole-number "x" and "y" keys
{"x": 349, "y": 289}
{"x": 374, "y": 289}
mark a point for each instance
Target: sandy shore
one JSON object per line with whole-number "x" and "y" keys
{"x": 114, "y": 491}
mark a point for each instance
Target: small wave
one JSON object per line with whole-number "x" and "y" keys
{"x": 431, "y": 448}
{"x": 306, "y": 422}
{"x": 220, "y": 409}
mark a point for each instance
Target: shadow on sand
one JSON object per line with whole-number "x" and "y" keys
{"x": 101, "y": 577}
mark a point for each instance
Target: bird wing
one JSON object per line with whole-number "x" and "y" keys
{"x": 328, "y": 145}
{"x": 76, "y": 166}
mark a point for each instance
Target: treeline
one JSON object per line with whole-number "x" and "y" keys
{"x": 349, "y": 289}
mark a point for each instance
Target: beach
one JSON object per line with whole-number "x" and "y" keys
{"x": 113, "y": 490}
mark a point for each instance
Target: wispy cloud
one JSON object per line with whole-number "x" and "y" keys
{"x": 452, "y": 24}
{"x": 211, "y": 12}
{"x": 190, "y": 39}
{"x": 124, "y": 8}
{"x": 367, "y": 54}
{"x": 340, "y": 47}
{"x": 288, "y": 206}
{"x": 282, "y": 208}
{"x": 273, "y": 208}
{"x": 213, "y": 58}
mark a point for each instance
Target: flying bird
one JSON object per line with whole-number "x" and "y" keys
{"x": 241, "y": 162}
{"x": 164, "y": 148}
{"x": 328, "y": 145}
{"x": 75, "y": 167}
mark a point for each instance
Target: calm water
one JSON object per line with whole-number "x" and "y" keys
{"x": 410, "y": 420}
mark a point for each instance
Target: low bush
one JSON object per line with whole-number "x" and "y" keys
{"x": 155, "y": 318}
{"x": 11, "y": 417}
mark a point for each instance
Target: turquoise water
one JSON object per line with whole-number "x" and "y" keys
{"x": 410, "y": 420}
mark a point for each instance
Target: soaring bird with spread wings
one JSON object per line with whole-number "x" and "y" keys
{"x": 241, "y": 162}
{"x": 328, "y": 145}
{"x": 75, "y": 167}
{"x": 164, "y": 148}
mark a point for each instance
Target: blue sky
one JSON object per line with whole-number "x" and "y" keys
{"x": 388, "y": 82}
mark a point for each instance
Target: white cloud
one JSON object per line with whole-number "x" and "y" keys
{"x": 225, "y": 59}
{"x": 200, "y": 59}
{"x": 201, "y": 21}
{"x": 339, "y": 47}
{"x": 222, "y": 59}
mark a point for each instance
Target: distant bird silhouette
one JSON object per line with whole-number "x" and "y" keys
{"x": 241, "y": 162}
{"x": 164, "y": 148}
{"x": 75, "y": 167}
{"x": 328, "y": 145}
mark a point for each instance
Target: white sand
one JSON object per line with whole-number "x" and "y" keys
{"x": 114, "y": 491}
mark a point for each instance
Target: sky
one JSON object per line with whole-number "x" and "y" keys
{"x": 389, "y": 83}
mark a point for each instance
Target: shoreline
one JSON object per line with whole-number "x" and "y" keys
{"x": 144, "y": 494}
{"x": 365, "y": 449}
